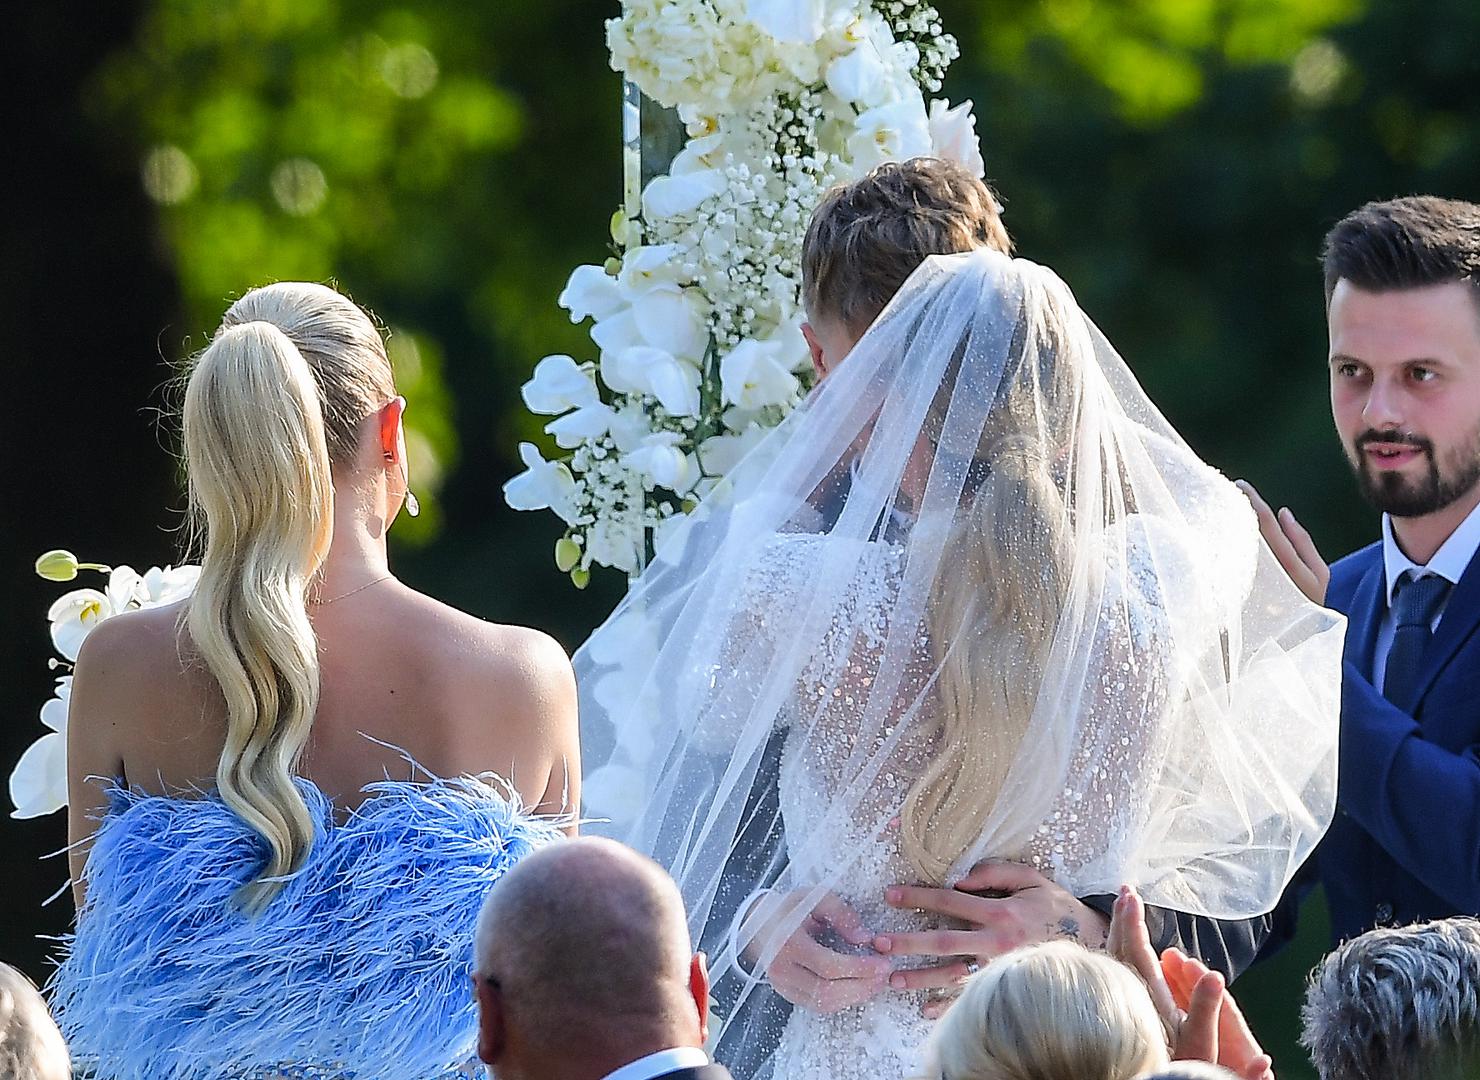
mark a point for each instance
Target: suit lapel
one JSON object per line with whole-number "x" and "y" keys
{"x": 1365, "y": 614}
{"x": 1461, "y": 615}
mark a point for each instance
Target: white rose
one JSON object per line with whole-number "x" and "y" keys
{"x": 754, "y": 375}
{"x": 590, "y": 293}
{"x": 953, "y": 135}
{"x": 559, "y": 385}
{"x": 542, "y": 485}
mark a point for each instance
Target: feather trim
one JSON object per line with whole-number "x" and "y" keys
{"x": 359, "y": 968}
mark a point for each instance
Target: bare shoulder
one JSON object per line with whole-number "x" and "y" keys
{"x": 134, "y": 650}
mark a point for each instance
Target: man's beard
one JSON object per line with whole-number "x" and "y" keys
{"x": 1396, "y": 494}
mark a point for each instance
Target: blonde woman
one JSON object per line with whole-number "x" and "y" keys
{"x": 271, "y": 877}
{"x": 972, "y": 629}
{"x": 1051, "y": 1011}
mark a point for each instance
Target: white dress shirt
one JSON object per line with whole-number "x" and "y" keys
{"x": 1449, "y": 562}
{"x": 664, "y": 1061}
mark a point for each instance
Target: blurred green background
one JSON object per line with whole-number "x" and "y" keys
{"x": 447, "y": 164}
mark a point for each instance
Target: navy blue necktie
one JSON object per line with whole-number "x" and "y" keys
{"x": 1415, "y": 603}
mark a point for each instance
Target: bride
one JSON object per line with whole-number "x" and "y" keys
{"x": 975, "y": 600}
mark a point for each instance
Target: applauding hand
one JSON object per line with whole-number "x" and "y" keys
{"x": 1205, "y": 1022}
{"x": 1023, "y": 907}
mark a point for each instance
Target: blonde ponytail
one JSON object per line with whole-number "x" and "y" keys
{"x": 277, "y": 396}
{"x": 260, "y": 483}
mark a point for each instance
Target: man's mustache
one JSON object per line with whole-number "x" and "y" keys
{"x": 1398, "y": 438}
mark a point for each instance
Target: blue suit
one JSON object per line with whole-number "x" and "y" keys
{"x": 1405, "y": 844}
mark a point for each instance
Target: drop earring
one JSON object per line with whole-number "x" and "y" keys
{"x": 413, "y": 507}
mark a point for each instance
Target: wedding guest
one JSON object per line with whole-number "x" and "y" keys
{"x": 1398, "y": 1004}
{"x": 1051, "y": 1011}
{"x": 584, "y": 971}
{"x": 1402, "y": 285}
{"x": 261, "y": 815}
{"x": 31, "y": 1047}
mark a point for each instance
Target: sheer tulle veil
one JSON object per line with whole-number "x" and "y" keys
{"x": 987, "y": 603}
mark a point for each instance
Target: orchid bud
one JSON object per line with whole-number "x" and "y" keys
{"x": 567, "y": 554}
{"x": 580, "y": 577}
{"x": 57, "y": 565}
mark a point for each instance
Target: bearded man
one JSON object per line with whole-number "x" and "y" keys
{"x": 1403, "y": 310}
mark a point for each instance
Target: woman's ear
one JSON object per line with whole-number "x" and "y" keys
{"x": 392, "y": 444}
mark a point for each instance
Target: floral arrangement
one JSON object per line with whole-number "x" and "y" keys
{"x": 38, "y": 784}
{"x": 697, "y": 317}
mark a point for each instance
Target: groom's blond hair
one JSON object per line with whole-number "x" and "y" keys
{"x": 868, "y": 236}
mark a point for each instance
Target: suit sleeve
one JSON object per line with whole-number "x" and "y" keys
{"x": 1225, "y": 945}
{"x": 1397, "y": 785}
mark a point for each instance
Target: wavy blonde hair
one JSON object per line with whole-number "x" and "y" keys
{"x": 995, "y": 604}
{"x": 271, "y": 405}
{"x": 31, "y": 1047}
{"x": 1052, "y": 1011}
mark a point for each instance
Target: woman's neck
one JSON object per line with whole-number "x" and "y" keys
{"x": 357, "y": 553}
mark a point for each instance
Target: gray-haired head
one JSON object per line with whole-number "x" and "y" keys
{"x": 1398, "y": 1004}
{"x": 31, "y": 1047}
{"x": 587, "y": 935}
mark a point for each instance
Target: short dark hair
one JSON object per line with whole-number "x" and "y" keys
{"x": 867, "y": 237}
{"x": 1405, "y": 244}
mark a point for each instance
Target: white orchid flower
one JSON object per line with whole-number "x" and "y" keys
{"x": 614, "y": 335}
{"x": 73, "y": 617}
{"x": 660, "y": 460}
{"x": 54, "y": 712}
{"x": 754, "y": 374}
{"x": 591, "y": 293}
{"x": 893, "y": 132}
{"x": 721, "y": 453}
{"x": 699, "y": 155}
{"x": 542, "y": 485}
{"x": 165, "y": 585}
{"x": 953, "y": 135}
{"x": 586, "y": 424}
{"x": 677, "y": 196}
{"x": 800, "y": 22}
{"x": 861, "y": 75}
{"x": 660, "y": 374}
{"x": 559, "y": 385}
{"x": 630, "y": 426}
{"x": 38, "y": 783}
{"x": 645, "y": 267}
{"x": 673, "y": 319}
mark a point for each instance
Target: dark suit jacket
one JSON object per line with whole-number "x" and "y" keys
{"x": 1405, "y": 844}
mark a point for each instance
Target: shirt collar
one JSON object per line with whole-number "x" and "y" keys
{"x": 1449, "y": 561}
{"x": 664, "y": 1061}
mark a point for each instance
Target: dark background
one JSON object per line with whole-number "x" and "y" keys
{"x": 1177, "y": 163}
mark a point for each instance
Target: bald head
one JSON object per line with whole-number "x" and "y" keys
{"x": 588, "y": 932}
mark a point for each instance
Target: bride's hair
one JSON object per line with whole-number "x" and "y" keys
{"x": 1051, "y": 1011}
{"x": 866, "y": 237}
{"x": 995, "y": 603}
{"x": 273, "y": 402}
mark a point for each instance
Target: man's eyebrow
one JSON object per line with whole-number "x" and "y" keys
{"x": 1343, "y": 358}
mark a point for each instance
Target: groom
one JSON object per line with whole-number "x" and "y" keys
{"x": 864, "y": 241}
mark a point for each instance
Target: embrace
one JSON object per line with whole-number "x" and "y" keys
{"x": 970, "y": 640}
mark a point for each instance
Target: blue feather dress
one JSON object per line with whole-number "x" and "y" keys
{"x": 357, "y": 970}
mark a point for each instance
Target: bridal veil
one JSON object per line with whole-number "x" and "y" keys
{"x": 978, "y": 599}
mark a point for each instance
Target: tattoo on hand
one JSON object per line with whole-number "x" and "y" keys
{"x": 1068, "y": 927}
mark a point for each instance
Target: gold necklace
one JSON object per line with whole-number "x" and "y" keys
{"x": 358, "y": 588}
